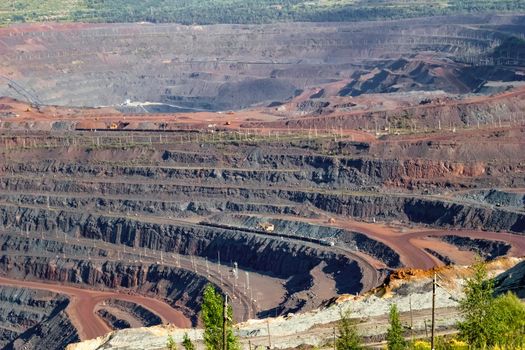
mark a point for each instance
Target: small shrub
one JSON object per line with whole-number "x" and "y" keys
{"x": 455, "y": 344}
{"x": 170, "y": 344}
{"x": 421, "y": 345}
{"x": 187, "y": 343}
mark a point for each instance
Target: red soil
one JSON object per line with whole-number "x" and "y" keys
{"x": 409, "y": 243}
{"x": 81, "y": 309}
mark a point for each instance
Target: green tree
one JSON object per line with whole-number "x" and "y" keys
{"x": 510, "y": 321}
{"x": 170, "y": 344}
{"x": 212, "y": 318}
{"x": 394, "y": 336}
{"x": 348, "y": 338}
{"x": 187, "y": 343}
{"x": 479, "y": 326}
{"x": 490, "y": 321}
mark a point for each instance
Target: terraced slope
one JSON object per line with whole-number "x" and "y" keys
{"x": 174, "y": 198}
{"x": 158, "y": 213}
{"x": 225, "y": 67}
{"x": 359, "y": 154}
{"x": 27, "y": 312}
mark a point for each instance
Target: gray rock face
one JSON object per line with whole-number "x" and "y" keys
{"x": 114, "y": 321}
{"x": 353, "y": 241}
{"x": 488, "y": 250}
{"x": 180, "y": 286}
{"x": 499, "y": 198}
{"x": 27, "y": 316}
{"x": 147, "y": 317}
{"x": 54, "y": 333}
{"x": 512, "y": 280}
{"x": 420, "y": 209}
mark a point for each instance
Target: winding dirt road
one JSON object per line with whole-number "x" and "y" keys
{"x": 407, "y": 244}
{"x": 81, "y": 309}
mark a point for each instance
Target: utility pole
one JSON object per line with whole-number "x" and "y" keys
{"x": 335, "y": 345}
{"x": 269, "y": 336}
{"x": 432, "y": 332}
{"x": 224, "y": 322}
{"x": 411, "y": 318}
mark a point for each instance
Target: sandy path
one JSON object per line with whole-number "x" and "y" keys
{"x": 83, "y": 302}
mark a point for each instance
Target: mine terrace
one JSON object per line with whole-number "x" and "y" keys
{"x": 285, "y": 163}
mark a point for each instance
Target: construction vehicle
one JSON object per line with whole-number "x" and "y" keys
{"x": 266, "y": 227}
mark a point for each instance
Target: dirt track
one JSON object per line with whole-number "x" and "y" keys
{"x": 408, "y": 244}
{"x": 83, "y": 303}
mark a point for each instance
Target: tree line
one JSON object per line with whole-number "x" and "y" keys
{"x": 247, "y": 11}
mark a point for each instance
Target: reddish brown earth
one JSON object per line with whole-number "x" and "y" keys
{"x": 83, "y": 302}
{"x": 409, "y": 242}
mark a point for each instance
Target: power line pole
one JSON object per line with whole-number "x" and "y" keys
{"x": 269, "y": 336}
{"x": 335, "y": 343}
{"x": 411, "y": 318}
{"x": 224, "y": 321}
{"x": 433, "y": 312}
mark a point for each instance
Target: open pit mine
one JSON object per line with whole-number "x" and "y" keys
{"x": 294, "y": 166}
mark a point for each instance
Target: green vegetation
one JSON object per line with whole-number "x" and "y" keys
{"x": 442, "y": 343}
{"x": 420, "y": 345}
{"x": 490, "y": 322}
{"x": 170, "y": 344}
{"x": 238, "y": 11}
{"x": 478, "y": 329}
{"x": 510, "y": 325}
{"x": 212, "y": 319}
{"x": 348, "y": 338}
{"x": 394, "y": 336}
{"x": 187, "y": 343}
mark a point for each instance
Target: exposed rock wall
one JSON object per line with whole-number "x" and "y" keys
{"x": 232, "y": 66}
{"x": 147, "y": 317}
{"x": 182, "y": 288}
{"x": 426, "y": 210}
{"x": 21, "y": 309}
{"x": 488, "y": 250}
{"x": 112, "y": 320}
{"x": 353, "y": 241}
{"x": 54, "y": 333}
{"x": 261, "y": 253}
